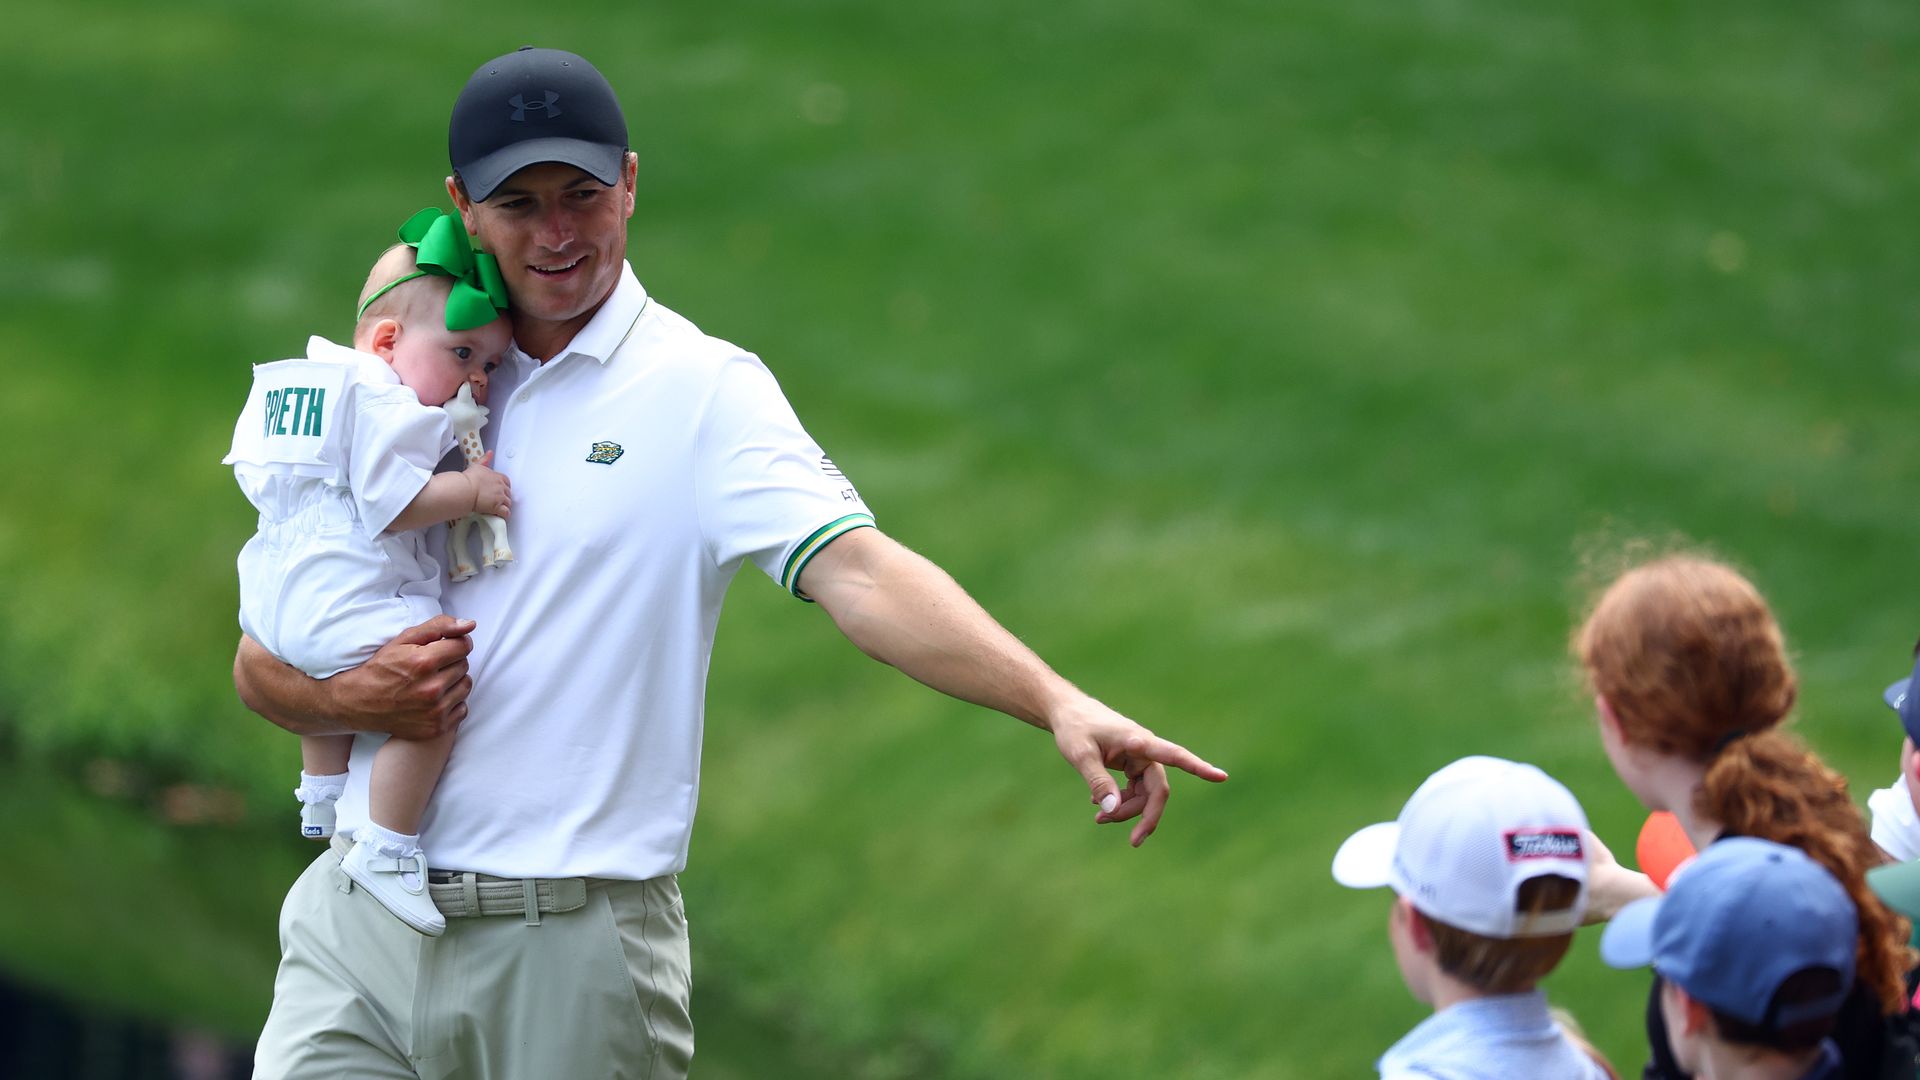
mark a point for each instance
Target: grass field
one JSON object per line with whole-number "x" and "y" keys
{"x": 1276, "y": 371}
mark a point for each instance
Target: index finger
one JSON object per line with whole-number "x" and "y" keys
{"x": 438, "y": 628}
{"x": 1155, "y": 748}
{"x": 446, "y": 652}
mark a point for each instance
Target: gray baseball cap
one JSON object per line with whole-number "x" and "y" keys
{"x": 533, "y": 106}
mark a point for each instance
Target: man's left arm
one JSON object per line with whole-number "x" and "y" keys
{"x": 902, "y": 610}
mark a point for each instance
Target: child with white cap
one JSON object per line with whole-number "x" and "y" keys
{"x": 1488, "y": 862}
{"x": 1754, "y": 943}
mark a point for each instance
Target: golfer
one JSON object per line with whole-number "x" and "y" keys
{"x": 650, "y": 463}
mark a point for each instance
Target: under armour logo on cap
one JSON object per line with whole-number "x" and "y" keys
{"x": 550, "y": 107}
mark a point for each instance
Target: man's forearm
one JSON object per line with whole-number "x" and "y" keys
{"x": 413, "y": 687}
{"x": 283, "y": 694}
{"x": 901, "y": 609}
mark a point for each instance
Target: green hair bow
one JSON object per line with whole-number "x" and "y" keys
{"x": 440, "y": 246}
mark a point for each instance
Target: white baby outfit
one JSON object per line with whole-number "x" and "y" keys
{"x": 330, "y": 449}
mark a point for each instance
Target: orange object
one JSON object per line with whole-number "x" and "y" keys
{"x": 1663, "y": 845}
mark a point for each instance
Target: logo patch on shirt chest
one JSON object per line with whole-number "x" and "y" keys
{"x": 605, "y": 453}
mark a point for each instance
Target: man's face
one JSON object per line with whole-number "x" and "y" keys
{"x": 560, "y": 236}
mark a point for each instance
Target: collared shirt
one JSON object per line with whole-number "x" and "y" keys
{"x": 1896, "y": 828}
{"x": 1828, "y": 1065}
{"x": 1490, "y": 1038}
{"x": 649, "y": 463}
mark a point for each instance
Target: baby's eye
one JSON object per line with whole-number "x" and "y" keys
{"x": 489, "y": 366}
{"x": 463, "y": 352}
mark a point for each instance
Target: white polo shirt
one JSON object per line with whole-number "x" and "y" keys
{"x": 648, "y": 462}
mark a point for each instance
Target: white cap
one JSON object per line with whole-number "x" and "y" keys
{"x": 1468, "y": 839}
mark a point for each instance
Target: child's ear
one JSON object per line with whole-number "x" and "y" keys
{"x": 1607, "y": 718}
{"x": 1699, "y": 1018}
{"x": 381, "y": 339}
{"x": 1418, "y": 932}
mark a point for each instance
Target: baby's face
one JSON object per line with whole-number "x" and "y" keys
{"x": 434, "y": 361}
{"x": 479, "y": 380}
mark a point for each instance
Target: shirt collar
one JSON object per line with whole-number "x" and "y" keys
{"x": 1488, "y": 1017}
{"x": 369, "y": 367}
{"x": 610, "y": 325}
{"x": 1828, "y": 1065}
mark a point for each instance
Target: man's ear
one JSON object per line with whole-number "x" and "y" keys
{"x": 629, "y": 178}
{"x": 457, "y": 191}
{"x": 381, "y": 339}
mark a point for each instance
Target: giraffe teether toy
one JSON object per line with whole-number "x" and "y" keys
{"x": 468, "y": 418}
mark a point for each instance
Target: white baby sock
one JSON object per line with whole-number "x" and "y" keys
{"x": 320, "y": 789}
{"x": 391, "y": 845}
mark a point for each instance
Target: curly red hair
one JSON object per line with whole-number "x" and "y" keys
{"x": 1693, "y": 664}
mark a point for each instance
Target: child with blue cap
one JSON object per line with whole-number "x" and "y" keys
{"x": 1754, "y": 943}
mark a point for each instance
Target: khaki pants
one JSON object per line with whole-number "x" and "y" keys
{"x": 599, "y": 991}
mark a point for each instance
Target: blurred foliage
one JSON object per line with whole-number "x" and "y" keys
{"x": 1274, "y": 369}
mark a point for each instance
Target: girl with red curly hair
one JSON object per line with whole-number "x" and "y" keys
{"x": 1691, "y": 679}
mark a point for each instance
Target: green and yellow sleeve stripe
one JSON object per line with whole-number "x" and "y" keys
{"x": 808, "y": 548}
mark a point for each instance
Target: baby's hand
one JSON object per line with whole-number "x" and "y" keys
{"x": 492, "y": 492}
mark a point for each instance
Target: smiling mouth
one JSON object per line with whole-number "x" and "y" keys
{"x": 556, "y": 271}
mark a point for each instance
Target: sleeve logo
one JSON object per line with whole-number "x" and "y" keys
{"x": 605, "y": 453}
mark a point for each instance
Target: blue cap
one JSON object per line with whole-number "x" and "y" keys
{"x": 1736, "y": 922}
{"x": 1900, "y": 700}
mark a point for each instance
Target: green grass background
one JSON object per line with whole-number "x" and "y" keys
{"x": 1275, "y": 369}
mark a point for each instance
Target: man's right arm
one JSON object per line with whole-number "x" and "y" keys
{"x": 415, "y": 687}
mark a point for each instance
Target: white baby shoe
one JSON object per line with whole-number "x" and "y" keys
{"x": 317, "y": 795}
{"x": 316, "y": 820}
{"x": 399, "y": 882}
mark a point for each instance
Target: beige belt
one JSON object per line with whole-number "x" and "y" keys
{"x": 464, "y": 894}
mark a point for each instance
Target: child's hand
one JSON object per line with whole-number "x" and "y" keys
{"x": 492, "y": 492}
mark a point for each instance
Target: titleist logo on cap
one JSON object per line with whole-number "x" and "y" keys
{"x": 1523, "y": 844}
